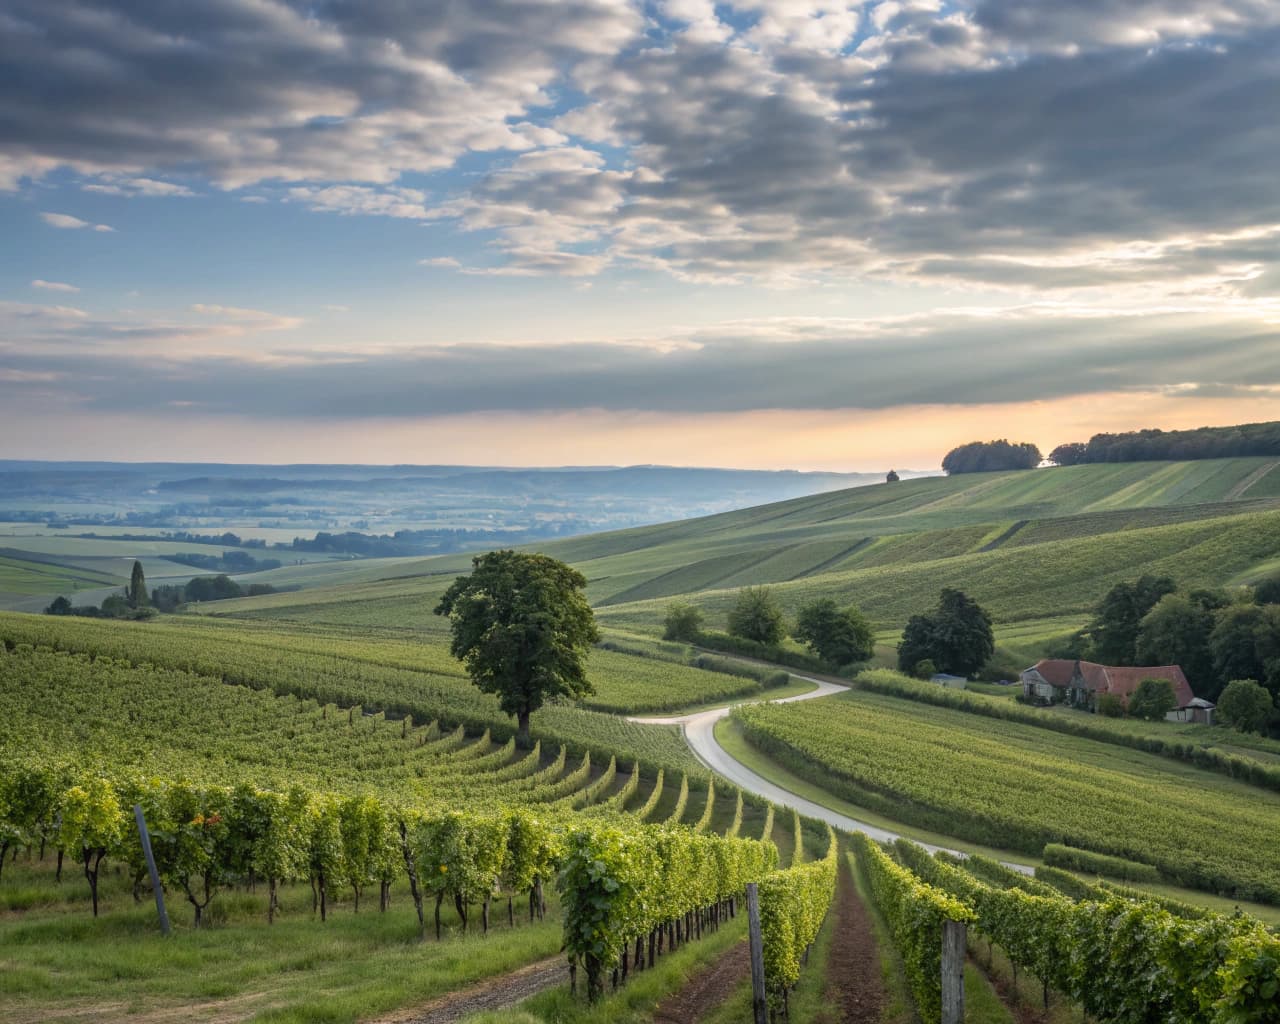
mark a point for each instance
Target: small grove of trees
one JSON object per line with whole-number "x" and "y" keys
{"x": 990, "y": 456}
{"x": 1146, "y": 445}
{"x": 957, "y": 636}
{"x": 522, "y": 626}
{"x": 1215, "y": 636}
{"x": 134, "y": 603}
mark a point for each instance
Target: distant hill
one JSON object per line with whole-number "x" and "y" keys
{"x": 1031, "y": 544}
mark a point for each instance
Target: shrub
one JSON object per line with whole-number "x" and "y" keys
{"x": 1110, "y": 706}
{"x": 1152, "y": 700}
{"x": 926, "y": 669}
{"x": 683, "y": 622}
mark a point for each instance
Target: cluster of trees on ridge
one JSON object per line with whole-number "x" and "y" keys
{"x": 1227, "y": 642}
{"x": 135, "y": 603}
{"x": 1134, "y": 446}
{"x": 1174, "y": 445}
{"x": 838, "y": 637}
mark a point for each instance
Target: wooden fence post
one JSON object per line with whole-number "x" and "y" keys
{"x": 759, "y": 999}
{"x": 151, "y": 867}
{"x": 953, "y": 957}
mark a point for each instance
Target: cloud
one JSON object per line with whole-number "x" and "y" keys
{"x": 786, "y": 142}
{"x": 348, "y": 91}
{"x": 53, "y": 286}
{"x": 978, "y": 355}
{"x": 68, "y": 222}
{"x": 121, "y": 186}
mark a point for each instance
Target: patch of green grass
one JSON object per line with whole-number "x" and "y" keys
{"x": 62, "y": 964}
{"x": 981, "y": 1003}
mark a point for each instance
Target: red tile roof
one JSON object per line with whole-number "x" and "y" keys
{"x": 1121, "y": 681}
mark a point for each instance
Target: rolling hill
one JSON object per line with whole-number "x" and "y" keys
{"x": 1028, "y": 545}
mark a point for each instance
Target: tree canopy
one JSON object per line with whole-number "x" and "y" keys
{"x": 838, "y": 635}
{"x": 1114, "y": 630}
{"x": 990, "y": 457}
{"x": 522, "y": 626}
{"x": 757, "y": 616}
{"x": 1200, "y": 443}
{"x": 1152, "y": 700}
{"x": 136, "y": 595}
{"x": 957, "y": 637}
{"x": 683, "y": 621}
{"x": 1246, "y": 706}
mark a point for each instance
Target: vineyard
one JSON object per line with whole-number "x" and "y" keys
{"x": 1118, "y": 959}
{"x": 1019, "y": 787}
{"x": 357, "y": 808}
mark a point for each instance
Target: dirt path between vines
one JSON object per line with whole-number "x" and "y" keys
{"x": 707, "y": 990}
{"x": 495, "y": 994}
{"x": 853, "y": 966}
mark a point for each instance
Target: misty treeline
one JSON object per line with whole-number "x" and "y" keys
{"x": 1173, "y": 445}
{"x": 1153, "y": 445}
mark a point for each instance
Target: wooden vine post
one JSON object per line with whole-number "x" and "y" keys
{"x": 953, "y": 956}
{"x": 156, "y": 888}
{"x": 759, "y": 998}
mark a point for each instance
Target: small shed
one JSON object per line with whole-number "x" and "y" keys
{"x": 950, "y": 681}
{"x": 1196, "y": 710}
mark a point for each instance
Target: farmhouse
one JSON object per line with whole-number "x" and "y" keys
{"x": 1080, "y": 683}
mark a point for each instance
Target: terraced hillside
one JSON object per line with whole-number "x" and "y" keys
{"x": 1027, "y": 545}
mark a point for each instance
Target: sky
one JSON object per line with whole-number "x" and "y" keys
{"x": 769, "y": 233}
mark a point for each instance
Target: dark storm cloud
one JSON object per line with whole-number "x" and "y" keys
{"x": 1009, "y": 355}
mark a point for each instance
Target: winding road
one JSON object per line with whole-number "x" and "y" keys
{"x": 699, "y": 733}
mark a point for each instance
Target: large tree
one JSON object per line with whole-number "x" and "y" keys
{"x": 957, "y": 637}
{"x": 1246, "y": 706}
{"x": 137, "y": 592}
{"x": 523, "y": 627}
{"x": 1115, "y": 626}
{"x": 835, "y": 634}
{"x": 1176, "y": 632}
{"x": 757, "y": 616}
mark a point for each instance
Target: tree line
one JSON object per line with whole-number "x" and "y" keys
{"x": 1150, "y": 445}
{"x": 135, "y": 603}
{"x": 1226, "y": 641}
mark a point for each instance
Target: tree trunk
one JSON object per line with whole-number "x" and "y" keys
{"x": 412, "y": 869}
{"x": 58, "y": 876}
{"x": 4, "y": 848}
{"x": 384, "y": 897}
{"x": 461, "y": 909}
{"x": 484, "y": 915}
{"x": 271, "y": 901}
{"x": 91, "y": 876}
{"x": 511, "y": 913}
{"x": 522, "y": 730}
{"x": 439, "y": 900}
{"x": 356, "y": 889}
{"x": 324, "y": 897}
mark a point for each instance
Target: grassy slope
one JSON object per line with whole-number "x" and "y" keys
{"x": 1028, "y": 545}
